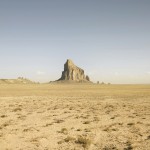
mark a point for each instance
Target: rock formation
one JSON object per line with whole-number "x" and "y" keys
{"x": 73, "y": 73}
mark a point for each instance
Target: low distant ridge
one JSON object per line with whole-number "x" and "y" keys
{"x": 19, "y": 80}
{"x": 73, "y": 73}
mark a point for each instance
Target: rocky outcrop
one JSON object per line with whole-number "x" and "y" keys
{"x": 73, "y": 73}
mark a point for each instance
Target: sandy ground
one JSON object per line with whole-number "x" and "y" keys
{"x": 74, "y": 117}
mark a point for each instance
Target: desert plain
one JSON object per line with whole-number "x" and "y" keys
{"x": 74, "y": 117}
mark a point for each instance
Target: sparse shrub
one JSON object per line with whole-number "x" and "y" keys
{"x": 114, "y": 129}
{"x": 83, "y": 141}
{"x": 3, "y": 116}
{"x": 106, "y": 129}
{"x": 78, "y": 129}
{"x": 96, "y": 119}
{"x": 17, "y": 109}
{"x": 60, "y": 142}
{"x": 59, "y": 121}
{"x": 64, "y": 131}
{"x": 130, "y": 124}
{"x": 69, "y": 138}
{"x": 112, "y": 118}
{"x": 129, "y": 146}
{"x": 26, "y": 130}
{"x": 148, "y": 138}
{"x": 87, "y": 130}
{"x": 71, "y": 108}
{"x": 6, "y": 124}
{"x": 110, "y": 147}
{"x": 48, "y": 124}
{"x": 86, "y": 122}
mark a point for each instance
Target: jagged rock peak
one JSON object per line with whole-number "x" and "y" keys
{"x": 73, "y": 73}
{"x": 68, "y": 64}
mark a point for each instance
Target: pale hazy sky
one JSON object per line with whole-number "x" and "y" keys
{"x": 109, "y": 39}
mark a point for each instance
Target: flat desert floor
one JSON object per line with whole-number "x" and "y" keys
{"x": 74, "y": 117}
